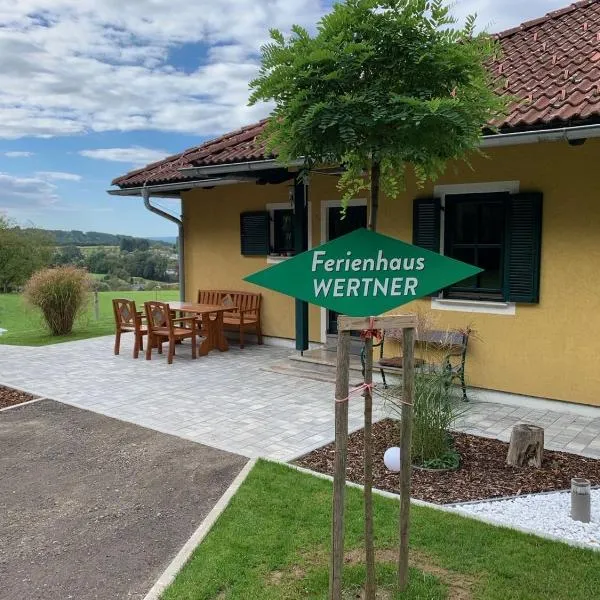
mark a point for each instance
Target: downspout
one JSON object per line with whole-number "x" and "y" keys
{"x": 181, "y": 245}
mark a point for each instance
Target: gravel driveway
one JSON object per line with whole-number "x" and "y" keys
{"x": 94, "y": 508}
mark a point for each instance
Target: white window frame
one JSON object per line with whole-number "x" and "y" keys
{"x": 472, "y": 306}
{"x": 271, "y": 208}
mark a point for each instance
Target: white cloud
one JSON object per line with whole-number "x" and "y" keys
{"x": 75, "y": 66}
{"x": 26, "y": 192}
{"x": 135, "y": 155}
{"x": 18, "y": 154}
{"x": 58, "y": 176}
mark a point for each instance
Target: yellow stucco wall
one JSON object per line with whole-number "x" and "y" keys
{"x": 549, "y": 350}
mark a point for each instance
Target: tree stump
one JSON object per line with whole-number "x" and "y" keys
{"x": 526, "y": 447}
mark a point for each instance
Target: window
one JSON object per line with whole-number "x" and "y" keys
{"x": 498, "y": 232}
{"x": 282, "y": 239}
{"x": 474, "y": 233}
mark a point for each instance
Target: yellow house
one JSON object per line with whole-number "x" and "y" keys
{"x": 527, "y": 212}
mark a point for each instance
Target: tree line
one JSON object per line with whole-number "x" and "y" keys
{"x": 24, "y": 251}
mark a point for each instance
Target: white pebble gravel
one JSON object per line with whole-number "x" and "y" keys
{"x": 544, "y": 514}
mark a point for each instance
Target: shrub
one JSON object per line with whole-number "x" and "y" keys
{"x": 60, "y": 294}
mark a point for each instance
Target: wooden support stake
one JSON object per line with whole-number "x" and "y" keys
{"x": 408, "y": 385}
{"x": 339, "y": 477}
{"x": 371, "y": 582}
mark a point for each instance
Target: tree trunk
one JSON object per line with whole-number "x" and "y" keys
{"x": 371, "y": 583}
{"x": 408, "y": 396}
{"x": 342, "y": 391}
{"x": 526, "y": 447}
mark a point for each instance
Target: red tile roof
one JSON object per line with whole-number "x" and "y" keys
{"x": 552, "y": 64}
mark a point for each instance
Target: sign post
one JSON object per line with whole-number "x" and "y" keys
{"x": 358, "y": 275}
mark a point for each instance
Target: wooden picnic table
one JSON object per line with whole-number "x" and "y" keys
{"x": 212, "y": 323}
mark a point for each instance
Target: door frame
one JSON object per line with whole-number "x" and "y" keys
{"x": 325, "y": 206}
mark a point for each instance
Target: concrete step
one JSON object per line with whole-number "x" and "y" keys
{"x": 323, "y": 361}
{"x": 356, "y": 344}
{"x": 295, "y": 369}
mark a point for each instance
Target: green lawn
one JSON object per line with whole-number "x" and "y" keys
{"x": 25, "y": 327}
{"x": 273, "y": 540}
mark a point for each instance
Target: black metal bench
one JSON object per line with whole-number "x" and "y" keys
{"x": 454, "y": 343}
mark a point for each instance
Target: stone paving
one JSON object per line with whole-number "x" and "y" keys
{"x": 229, "y": 402}
{"x": 222, "y": 400}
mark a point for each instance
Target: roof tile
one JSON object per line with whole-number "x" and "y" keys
{"x": 551, "y": 63}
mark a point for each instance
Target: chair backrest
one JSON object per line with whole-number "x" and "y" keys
{"x": 241, "y": 300}
{"x": 125, "y": 312}
{"x": 158, "y": 315}
{"x": 209, "y": 296}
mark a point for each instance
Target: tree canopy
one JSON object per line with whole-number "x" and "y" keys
{"x": 22, "y": 253}
{"x": 382, "y": 82}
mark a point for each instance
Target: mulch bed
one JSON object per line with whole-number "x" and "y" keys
{"x": 483, "y": 472}
{"x": 10, "y": 397}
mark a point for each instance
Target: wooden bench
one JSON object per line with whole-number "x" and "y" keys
{"x": 245, "y": 313}
{"x": 452, "y": 343}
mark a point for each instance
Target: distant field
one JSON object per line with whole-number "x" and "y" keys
{"x": 25, "y": 327}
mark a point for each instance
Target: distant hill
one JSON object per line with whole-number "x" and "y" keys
{"x": 167, "y": 239}
{"x": 97, "y": 238}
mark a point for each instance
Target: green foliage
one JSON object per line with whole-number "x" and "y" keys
{"x": 434, "y": 412}
{"x": 386, "y": 82}
{"x": 98, "y": 238}
{"x": 69, "y": 255}
{"x": 60, "y": 294}
{"x": 22, "y": 252}
{"x": 449, "y": 460}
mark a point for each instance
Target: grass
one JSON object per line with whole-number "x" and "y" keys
{"x": 273, "y": 541}
{"x": 25, "y": 326}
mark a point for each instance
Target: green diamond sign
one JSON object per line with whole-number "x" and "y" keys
{"x": 363, "y": 273}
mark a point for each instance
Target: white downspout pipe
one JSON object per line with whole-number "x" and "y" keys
{"x": 181, "y": 244}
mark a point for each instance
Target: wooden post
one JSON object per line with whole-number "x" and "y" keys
{"x": 339, "y": 478}
{"x": 526, "y": 447}
{"x": 96, "y": 306}
{"x": 371, "y": 582}
{"x": 408, "y": 383}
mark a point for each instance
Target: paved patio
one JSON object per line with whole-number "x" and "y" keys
{"x": 227, "y": 401}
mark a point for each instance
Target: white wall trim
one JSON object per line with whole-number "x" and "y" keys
{"x": 472, "y": 306}
{"x": 325, "y": 206}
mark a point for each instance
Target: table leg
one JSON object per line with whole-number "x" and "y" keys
{"x": 215, "y": 336}
{"x": 222, "y": 344}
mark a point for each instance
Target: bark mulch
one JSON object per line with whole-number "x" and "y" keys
{"x": 483, "y": 472}
{"x": 10, "y": 397}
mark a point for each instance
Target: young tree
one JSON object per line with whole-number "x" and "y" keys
{"x": 382, "y": 86}
{"x": 22, "y": 253}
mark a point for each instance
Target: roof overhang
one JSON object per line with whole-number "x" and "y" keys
{"x": 173, "y": 190}
{"x": 242, "y": 167}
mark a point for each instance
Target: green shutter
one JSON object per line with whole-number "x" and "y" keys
{"x": 426, "y": 223}
{"x": 254, "y": 233}
{"x": 523, "y": 249}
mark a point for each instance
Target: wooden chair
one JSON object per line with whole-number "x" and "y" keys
{"x": 163, "y": 325}
{"x": 128, "y": 319}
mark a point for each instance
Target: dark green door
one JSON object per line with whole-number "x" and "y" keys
{"x": 356, "y": 217}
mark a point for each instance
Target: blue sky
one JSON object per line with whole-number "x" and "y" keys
{"x": 92, "y": 89}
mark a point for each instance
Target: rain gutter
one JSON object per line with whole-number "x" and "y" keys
{"x": 181, "y": 256}
{"x": 580, "y": 132}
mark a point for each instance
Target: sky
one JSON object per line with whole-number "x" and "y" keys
{"x": 91, "y": 89}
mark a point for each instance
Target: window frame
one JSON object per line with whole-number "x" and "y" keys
{"x": 477, "y": 293}
{"x": 441, "y": 301}
{"x": 271, "y": 208}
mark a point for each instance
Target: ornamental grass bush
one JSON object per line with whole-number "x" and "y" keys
{"x": 61, "y": 294}
{"x": 435, "y": 405}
